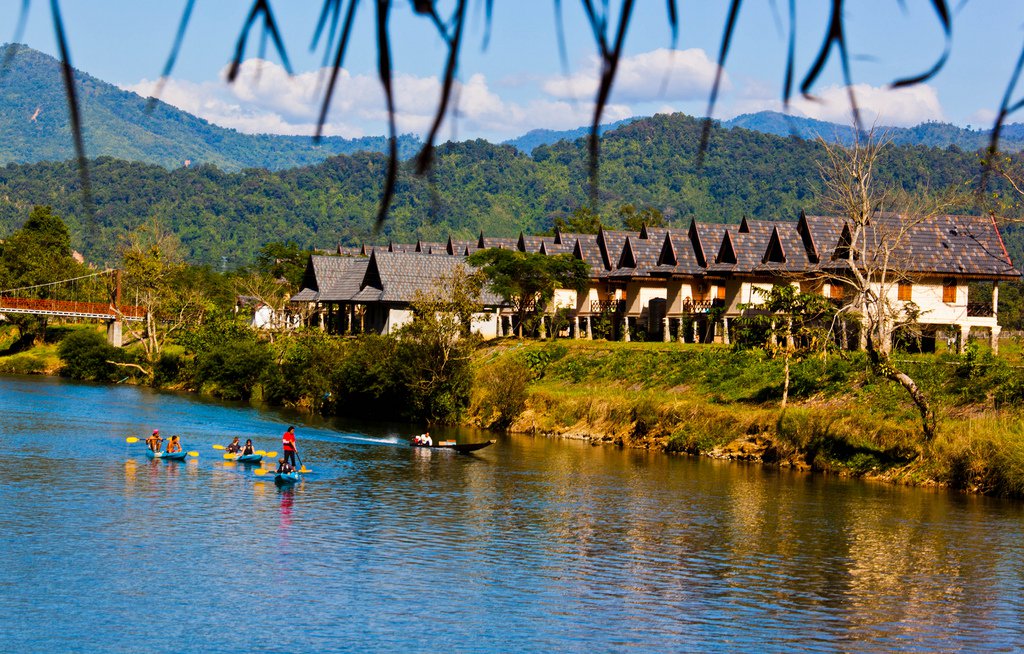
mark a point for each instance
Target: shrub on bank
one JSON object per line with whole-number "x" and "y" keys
{"x": 86, "y": 355}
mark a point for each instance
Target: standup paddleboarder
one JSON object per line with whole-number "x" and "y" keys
{"x": 288, "y": 445}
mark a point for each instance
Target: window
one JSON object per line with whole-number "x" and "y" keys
{"x": 949, "y": 291}
{"x": 720, "y": 293}
{"x": 903, "y": 291}
{"x": 836, "y": 292}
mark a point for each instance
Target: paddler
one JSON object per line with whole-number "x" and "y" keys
{"x": 154, "y": 441}
{"x": 248, "y": 449}
{"x": 234, "y": 448}
{"x": 283, "y": 468}
{"x": 173, "y": 445}
{"x": 288, "y": 445}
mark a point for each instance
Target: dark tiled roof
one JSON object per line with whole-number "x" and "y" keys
{"x": 501, "y": 243}
{"x": 589, "y": 252}
{"x": 331, "y": 278}
{"x": 397, "y": 277}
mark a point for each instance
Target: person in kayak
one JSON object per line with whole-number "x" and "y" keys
{"x": 235, "y": 447}
{"x": 173, "y": 445}
{"x": 283, "y": 468}
{"x": 248, "y": 449}
{"x": 154, "y": 441}
{"x": 288, "y": 445}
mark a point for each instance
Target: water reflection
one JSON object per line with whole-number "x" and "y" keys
{"x": 529, "y": 545}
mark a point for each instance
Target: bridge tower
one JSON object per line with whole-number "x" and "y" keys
{"x": 115, "y": 334}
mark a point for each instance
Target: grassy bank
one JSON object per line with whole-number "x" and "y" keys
{"x": 712, "y": 401}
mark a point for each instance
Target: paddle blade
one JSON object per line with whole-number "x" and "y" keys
{"x": 259, "y": 472}
{"x": 193, "y": 453}
{"x": 218, "y": 447}
{"x": 304, "y": 469}
{"x": 229, "y": 456}
{"x": 131, "y": 439}
{"x": 261, "y": 452}
{"x": 270, "y": 454}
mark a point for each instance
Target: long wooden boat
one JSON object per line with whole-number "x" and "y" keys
{"x": 167, "y": 456}
{"x": 461, "y": 448}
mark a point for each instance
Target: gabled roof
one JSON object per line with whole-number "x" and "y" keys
{"x": 529, "y": 243}
{"x": 610, "y": 244}
{"x": 459, "y": 247}
{"x": 396, "y": 277}
{"x": 586, "y": 249}
{"x": 331, "y": 278}
{"x": 488, "y": 242}
{"x": 726, "y": 251}
{"x": 774, "y": 253}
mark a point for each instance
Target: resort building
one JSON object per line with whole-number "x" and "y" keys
{"x": 691, "y": 284}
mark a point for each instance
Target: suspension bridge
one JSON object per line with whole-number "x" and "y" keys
{"x": 95, "y": 296}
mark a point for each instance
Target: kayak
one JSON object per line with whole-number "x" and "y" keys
{"x": 249, "y": 458}
{"x": 461, "y": 448}
{"x": 283, "y": 478}
{"x": 169, "y": 456}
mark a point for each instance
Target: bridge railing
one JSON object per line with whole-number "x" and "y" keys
{"x": 69, "y": 307}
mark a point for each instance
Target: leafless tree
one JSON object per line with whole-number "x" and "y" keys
{"x": 873, "y": 256}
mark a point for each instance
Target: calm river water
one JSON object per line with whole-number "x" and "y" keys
{"x": 529, "y": 545}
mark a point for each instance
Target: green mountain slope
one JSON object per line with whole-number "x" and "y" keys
{"x": 932, "y": 133}
{"x": 474, "y": 185}
{"x": 34, "y": 126}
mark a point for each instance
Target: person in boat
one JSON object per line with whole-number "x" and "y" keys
{"x": 235, "y": 447}
{"x": 173, "y": 445}
{"x": 248, "y": 449}
{"x": 283, "y": 468}
{"x": 427, "y": 440}
{"x": 288, "y": 445}
{"x": 154, "y": 441}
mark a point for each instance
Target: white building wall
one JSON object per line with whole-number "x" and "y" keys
{"x": 564, "y": 298}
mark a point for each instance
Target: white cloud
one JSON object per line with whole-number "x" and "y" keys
{"x": 882, "y": 105}
{"x": 982, "y": 118}
{"x": 658, "y": 75}
{"x": 265, "y": 99}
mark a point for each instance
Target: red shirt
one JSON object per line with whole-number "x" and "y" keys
{"x": 288, "y": 441}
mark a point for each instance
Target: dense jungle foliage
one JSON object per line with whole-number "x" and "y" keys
{"x": 223, "y": 219}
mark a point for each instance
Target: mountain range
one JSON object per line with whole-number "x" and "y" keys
{"x": 119, "y": 124}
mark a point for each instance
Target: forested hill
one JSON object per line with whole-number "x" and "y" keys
{"x": 34, "y": 126}
{"x": 474, "y": 186}
{"x": 932, "y": 133}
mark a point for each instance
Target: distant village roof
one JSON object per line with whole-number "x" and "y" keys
{"x": 396, "y": 277}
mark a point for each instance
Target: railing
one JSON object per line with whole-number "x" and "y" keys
{"x": 68, "y": 308}
{"x": 603, "y": 306}
{"x": 980, "y": 309}
{"x": 701, "y": 306}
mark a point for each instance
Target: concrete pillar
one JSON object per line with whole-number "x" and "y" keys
{"x": 625, "y": 328}
{"x": 696, "y": 332}
{"x": 862, "y": 338}
{"x": 320, "y": 317}
{"x": 590, "y": 329}
{"x": 680, "y": 331}
{"x": 995, "y": 338}
{"x": 725, "y": 331}
{"x": 844, "y": 336}
{"x": 542, "y": 331}
{"x": 961, "y": 344}
{"x": 576, "y": 328}
{"x": 665, "y": 335}
{"x": 115, "y": 333}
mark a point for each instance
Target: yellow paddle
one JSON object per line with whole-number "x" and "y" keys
{"x": 270, "y": 455}
{"x": 229, "y": 456}
{"x": 193, "y": 453}
{"x": 218, "y": 447}
{"x": 261, "y": 452}
{"x": 259, "y": 472}
{"x": 131, "y": 439}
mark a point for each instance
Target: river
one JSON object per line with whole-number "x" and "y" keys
{"x": 528, "y": 545}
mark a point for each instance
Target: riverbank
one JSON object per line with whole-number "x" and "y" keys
{"x": 713, "y": 401}
{"x": 705, "y": 400}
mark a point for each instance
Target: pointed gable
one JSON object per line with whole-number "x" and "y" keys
{"x": 727, "y": 251}
{"x": 744, "y": 226}
{"x": 372, "y": 275}
{"x": 774, "y": 253}
{"x": 363, "y": 250}
{"x": 480, "y": 241}
{"x": 668, "y": 257}
{"x": 450, "y": 247}
{"x": 521, "y": 245}
{"x": 842, "y": 249}
{"x": 419, "y": 245}
{"x": 698, "y": 245}
{"x": 643, "y": 231}
{"x": 558, "y": 235}
{"x": 627, "y": 259}
{"x": 804, "y": 230}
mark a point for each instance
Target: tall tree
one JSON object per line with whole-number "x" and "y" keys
{"x": 875, "y": 254}
{"x": 527, "y": 280}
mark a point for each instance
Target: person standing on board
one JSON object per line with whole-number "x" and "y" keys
{"x": 288, "y": 445}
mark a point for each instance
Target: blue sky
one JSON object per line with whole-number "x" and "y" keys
{"x": 518, "y": 83}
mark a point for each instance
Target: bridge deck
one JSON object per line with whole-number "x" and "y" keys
{"x": 70, "y": 309}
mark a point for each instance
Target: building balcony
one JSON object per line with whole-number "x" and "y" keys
{"x": 980, "y": 310}
{"x": 607, "y": 306}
